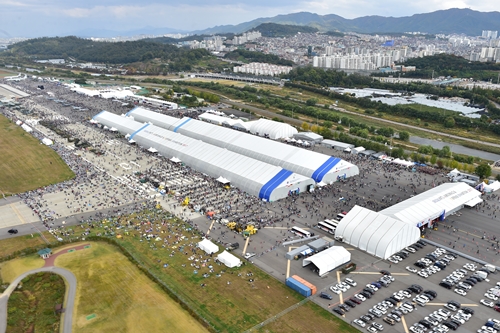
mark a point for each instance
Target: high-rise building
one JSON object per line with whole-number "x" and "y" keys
{"x": 489, "y": 34}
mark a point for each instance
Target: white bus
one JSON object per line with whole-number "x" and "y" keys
{"x": 333, "y": 223}
{"x": 327, "y": 227}
{"x": 301, "y": 232}
{"x": 340, "y": 216}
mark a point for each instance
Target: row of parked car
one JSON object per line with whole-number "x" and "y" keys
{"x": 442, "y": 320}
{"x": 454, "y": 279}
{"x": 492, "y": 294}
{"x": 491, "y": 326}
{"x": 403, "y": 254}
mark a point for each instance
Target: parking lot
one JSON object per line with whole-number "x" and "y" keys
{"x": 368, "y": 271}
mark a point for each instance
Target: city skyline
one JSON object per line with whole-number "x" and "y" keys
{"x": 29, "y": 18}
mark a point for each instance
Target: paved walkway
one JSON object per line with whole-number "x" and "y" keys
{"x": 49, "y": 267}
{"x": 69, "y": 299}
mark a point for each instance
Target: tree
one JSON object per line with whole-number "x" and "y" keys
{"x": 305, "y": 126}
{"x": 404, "y": 136}
{"x": 483, "y": 170}
{"x": 449, "y": 122}
{"x": 433, "y": 159}
{"x": 327, "y": 124}
{"x": 311, "y": 102}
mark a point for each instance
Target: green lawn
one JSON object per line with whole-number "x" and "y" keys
{"x": 228, "y": 301}
{"x": 25, "y": 163}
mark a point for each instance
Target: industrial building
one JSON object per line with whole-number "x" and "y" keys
{"x": 375, "y": 233}
{"x": 266, "y": 181}
{"x": 320, "y": 167}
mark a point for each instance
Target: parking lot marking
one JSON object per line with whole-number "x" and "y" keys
{"x": 441, "y": 304}
{"x": 210, "y": 228}
{"x": 403, "y": 321}
{"x": 340, "y": 295}
{"x": 367, "y": 273}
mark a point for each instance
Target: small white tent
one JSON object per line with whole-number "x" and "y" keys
{"x": 329, "y": 259}
{"x": 207, "y": 246}
{"x": 229, "y": 260}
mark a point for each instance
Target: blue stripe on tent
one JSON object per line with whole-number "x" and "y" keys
{"x": 98, "y": 114}
{"x": 324, "y": 168}
{"x": 140, "y": 129}
{"x": 182, "y": 124}
{"x": 270, "y": 186}
{"x": 126, "y": 114}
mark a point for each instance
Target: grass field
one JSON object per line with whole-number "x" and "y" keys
{"x": 122, "y": 298}
{"x": 13, "y": 244}
{"x": 4, "y": 74}
{"x": 229, "y": 301}
{"x": 25, "y": 163}
{"x": 31, "y": 309}
{"x": 11, "y": 269}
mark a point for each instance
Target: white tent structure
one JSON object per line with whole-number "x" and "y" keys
{"x": 492, "y": 186}
{"x": 403, "y": 162}
{"x": 229, "y": 260}
{"x": 274, "y": 129}
{"x": 436, "y": 203}
{"x": 318, "y": 166}
{"x": 377, "y": 234}
{"x": 266, "y": 181}
{"x": 328, "y": 259}
{"x": 207, "y": 246}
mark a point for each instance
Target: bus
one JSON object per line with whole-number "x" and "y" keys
{"x": 301, "y": 232}
{"x": 333, "y": 223}
{"x": 340, "y": 216}
{"x": 327, "y": 227}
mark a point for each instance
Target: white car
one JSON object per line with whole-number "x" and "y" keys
{"x": 360, "y": 297}
{"x": 345, "y": 285}
{"x": 351, "y": 282}
{"x": 249, "y": 255}
{"x": 411, "y": 269}
{"x": 359, "y": 322}
{"x": 341, "y": 288}
{"x": 491, "y": 296}
{"x": 423, "y": 274}
{"x": 461, "y": 292}
{"x": 335, "y": 289}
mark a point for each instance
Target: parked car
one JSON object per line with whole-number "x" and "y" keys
{"x": 12, "y": 231}
{"x": 325, "y": 295}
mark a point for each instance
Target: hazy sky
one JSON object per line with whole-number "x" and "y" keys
{"x": 64, "y": 17}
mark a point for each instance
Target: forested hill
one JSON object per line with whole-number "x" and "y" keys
{"x": 282, "y": 30}
{"x": 104, "y": 52}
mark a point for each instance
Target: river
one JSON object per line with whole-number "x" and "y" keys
{"x": 455, "y": 148}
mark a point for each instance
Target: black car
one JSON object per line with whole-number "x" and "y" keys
{"x": 417, "y": 246}
{"x": 368, "y": 290}
{"x": 391, "y": 300}
{"x": 451, "y": 325}
{"x": 468, "y": 310}
{"x": 413, "y": 290}
{"x": 355, "y": 300}
{"x": 421, "y": 242}
{"x": 419, "y": 287}
{"x": 471, "y": 280}
{"x": 325, "y": 295}
{"x": 350, "y": 303}
{"x": 338, "y": 310}
{"x": 420, "y": 264}
{"x": 431, "y": 292}
{"x": 445, "y": 284}
{"x": 425, "y": 323}
{"x": 366, "y": 295}
{"x": 455, "y": 303}
{"x": 344, "y": 307}
{"x": 12, "y": 231}
{"x": 429, "y": 296}
{"x": 453, "y": 321}
{"x": 385, "y": 272}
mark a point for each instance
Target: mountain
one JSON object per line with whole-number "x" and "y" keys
{"x": 466, "y": 21}
{"x": 282, "y": 30}
{"x": 102, "y": 33}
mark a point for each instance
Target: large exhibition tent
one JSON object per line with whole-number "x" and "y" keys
{"x": 434, "y": 204}
{"x": 207, "y": 246}
{"x": 328, "y": 259}
{"x": 377, "y": 234}
{"x": 229, "y": 260}
{"x": 273, "y": 129}
{"x": 266, "y": 181}
{"x": 320, "y": 167}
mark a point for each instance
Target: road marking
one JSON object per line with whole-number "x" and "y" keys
{"x": 340, "y": 295}
{"x": 211, "y": 225}
{"x": 441, "y": 304}
{"x": 14, "y": 208}
{"x": 403, "y": 321}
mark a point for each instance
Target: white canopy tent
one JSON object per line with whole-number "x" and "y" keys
{"x": 175, "y": 160}
{"x": 152, "y": 150}
{"x": 377, "y": 234}
{"x": 403, "y": 162}
{"x": 328, "y": 259}
{"x": 473, "y": 202}
{"x": 492, "y": 187}
{"x": 222, "y": 180}
{"x": 207, "y": 246}
{"x": 229, "y": 260}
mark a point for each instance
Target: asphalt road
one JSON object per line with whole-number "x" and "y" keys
{"x": 69, "y": 299}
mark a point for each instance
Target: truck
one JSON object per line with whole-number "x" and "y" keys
{"x": 490, "y": 268}
{"x": 232, "y": 246}
{"x": 298, "y": 287}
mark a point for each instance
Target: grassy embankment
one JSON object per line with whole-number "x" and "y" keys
{"x": 25, "y": 163}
